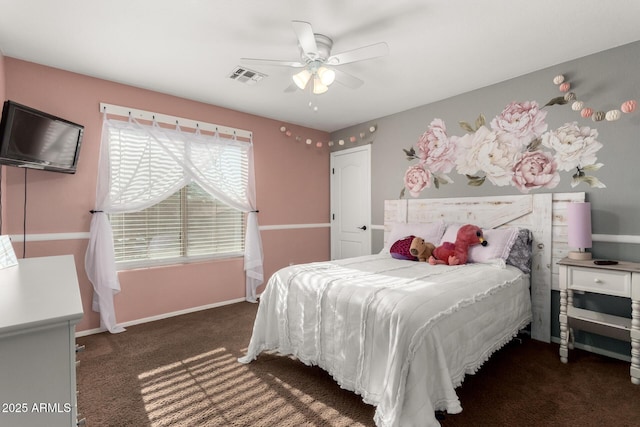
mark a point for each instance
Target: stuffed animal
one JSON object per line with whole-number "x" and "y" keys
{"x": 456, "y": 253}
{"x": 421, "y": 249}
{"x": 401, "y": 249}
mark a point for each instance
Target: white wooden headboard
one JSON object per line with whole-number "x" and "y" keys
{"x": 543, "y": 214}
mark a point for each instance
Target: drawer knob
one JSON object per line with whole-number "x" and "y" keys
{"x": 596, "y": 280}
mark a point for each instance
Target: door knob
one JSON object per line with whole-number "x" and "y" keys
{"x": 364, "y": 227}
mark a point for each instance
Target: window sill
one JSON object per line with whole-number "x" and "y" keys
{"x": 142, "y": 264}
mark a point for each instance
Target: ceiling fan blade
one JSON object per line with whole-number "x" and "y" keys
{"x": 291, "y": 88}
{"x": 273, "y": 62}
{"x": 306, "y": 38}
{"x": 347, "y": 79}
{"x": 360, "y": 54}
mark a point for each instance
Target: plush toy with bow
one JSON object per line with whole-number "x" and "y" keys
{"x": 457, "y": 253}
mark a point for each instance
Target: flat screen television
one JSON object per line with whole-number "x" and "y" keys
{"x": 34, "y": 139}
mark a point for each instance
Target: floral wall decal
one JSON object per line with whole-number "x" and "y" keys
{"x": 515, "y": 149}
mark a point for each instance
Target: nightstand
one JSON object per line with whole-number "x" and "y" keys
{"x": 621, "y": 280}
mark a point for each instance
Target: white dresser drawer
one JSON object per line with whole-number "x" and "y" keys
{"x": 610, "y": 282}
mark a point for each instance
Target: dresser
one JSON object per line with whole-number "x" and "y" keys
{"x": 39, "y": 307}
{"x": 620, "y": 280}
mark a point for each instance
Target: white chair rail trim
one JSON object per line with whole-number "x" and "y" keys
{"x": 47, "y": 237}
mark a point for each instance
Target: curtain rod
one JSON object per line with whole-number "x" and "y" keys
{"x": 172, "y": 120}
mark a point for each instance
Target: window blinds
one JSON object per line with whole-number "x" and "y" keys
{"x": 187, "y": 224}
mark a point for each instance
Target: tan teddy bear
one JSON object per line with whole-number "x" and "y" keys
{"x": 421, "y": 249}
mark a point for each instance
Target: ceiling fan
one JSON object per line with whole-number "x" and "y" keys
{"x": 318, "y": 64}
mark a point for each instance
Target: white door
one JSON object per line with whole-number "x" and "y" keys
{"x": 351, "y": 202}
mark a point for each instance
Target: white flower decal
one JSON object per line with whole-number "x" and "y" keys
{"x": 575, "y": 146}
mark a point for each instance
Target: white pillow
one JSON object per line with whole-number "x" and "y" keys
{"x": 499, "y": 243}
{"x": 429, "y": 231}
{"x": 450, "y": 233}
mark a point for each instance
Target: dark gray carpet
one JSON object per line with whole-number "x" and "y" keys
{"x": 183, "y": 371}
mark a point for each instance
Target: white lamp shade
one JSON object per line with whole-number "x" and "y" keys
{"x": 302, "y": 78}
{"x": 318, "y": 87}
{"x": 327, "y": 75}
{"x": 579, "y": 222}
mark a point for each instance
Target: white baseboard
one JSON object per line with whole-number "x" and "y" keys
{"x": 596, "y": 350}
{"x": 160, "y": 316}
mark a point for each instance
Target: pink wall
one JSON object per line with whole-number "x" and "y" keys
{"x": 292, "y": 188}
{"x": 2, "y": 78}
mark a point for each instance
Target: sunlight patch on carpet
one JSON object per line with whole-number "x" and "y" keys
{"x": 212, "y": 388}
{"x": 194, "y": 389}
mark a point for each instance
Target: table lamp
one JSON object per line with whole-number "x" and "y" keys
{"x": 579, "y": 222}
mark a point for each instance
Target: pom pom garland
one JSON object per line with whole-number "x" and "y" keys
{"x": 319, "y": 144}
{"x": 629, "y": 106}
{"x": 586, "y": 112}
{"x": 612, "y": 115}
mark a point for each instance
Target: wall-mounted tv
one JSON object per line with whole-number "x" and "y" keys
{"x": 34, "y": 139}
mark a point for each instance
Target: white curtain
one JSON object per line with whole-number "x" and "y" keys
{"x": 132, "y": 177}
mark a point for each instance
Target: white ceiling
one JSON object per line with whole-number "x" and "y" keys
{"x": 188, "y": 48}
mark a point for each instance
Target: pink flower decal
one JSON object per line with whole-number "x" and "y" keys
{"x": 535, "y": 169}
{"x": 416, "y": 179}
{"x": 435, "y": 149}
{"x": 524, "y": 122}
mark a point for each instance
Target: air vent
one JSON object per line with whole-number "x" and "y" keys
{"x": 244, "y": 75}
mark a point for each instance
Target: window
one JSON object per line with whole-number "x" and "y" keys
{"x": 144, "y": 168}
{"x": 188, "y": 225}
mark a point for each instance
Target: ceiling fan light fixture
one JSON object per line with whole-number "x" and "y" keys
{"x": 318, "y": 86}
{"x": 327, "y": 75}
{"x": 302, "y": 78}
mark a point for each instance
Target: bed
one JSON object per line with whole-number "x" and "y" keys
{"x": 404, "y": 334}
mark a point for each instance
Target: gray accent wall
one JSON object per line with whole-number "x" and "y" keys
{"x": 602, "y": 81}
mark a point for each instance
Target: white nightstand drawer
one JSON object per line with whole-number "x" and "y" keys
{"x": 610, "y": 282}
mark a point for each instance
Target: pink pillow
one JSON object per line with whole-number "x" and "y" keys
{"x": 401, "y": 249}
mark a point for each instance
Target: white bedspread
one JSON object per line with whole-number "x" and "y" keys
{"x": 401, "y": 334}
